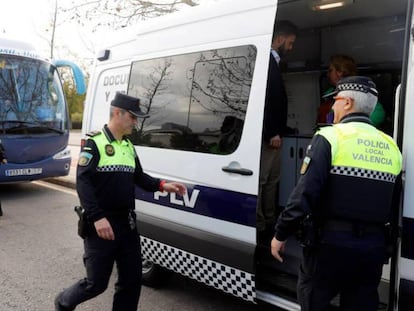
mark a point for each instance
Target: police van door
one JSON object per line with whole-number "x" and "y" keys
{"x": 206, "y": 109}
{"x": 402, "y": 264}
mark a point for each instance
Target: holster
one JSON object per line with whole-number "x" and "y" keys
{"x": 83, "y": 224}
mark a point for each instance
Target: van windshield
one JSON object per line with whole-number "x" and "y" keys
{"x": 31, "y": 98}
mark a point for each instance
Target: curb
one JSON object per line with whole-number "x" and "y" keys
{"x": 61, "y": 181}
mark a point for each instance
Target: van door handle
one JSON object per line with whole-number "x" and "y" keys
{"x": 300, "y": 153}
{"x": 241, "y": 171}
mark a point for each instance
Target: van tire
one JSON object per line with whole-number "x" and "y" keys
{"x": 154, "y": 275}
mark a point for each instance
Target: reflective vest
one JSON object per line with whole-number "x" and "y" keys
{"x": 365, "y": 163}
{"x": 115, "y": 156}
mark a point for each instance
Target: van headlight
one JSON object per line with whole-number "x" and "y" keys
{"x": 64, "y": 154}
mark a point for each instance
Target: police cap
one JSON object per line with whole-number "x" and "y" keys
{"x": 355, "y": 83}
{"x": 128, "y": 103}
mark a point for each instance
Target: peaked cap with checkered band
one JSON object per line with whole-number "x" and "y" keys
{"x": 357, "y": 83}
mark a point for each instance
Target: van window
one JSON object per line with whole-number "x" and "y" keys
{"x": 196, "y": 102}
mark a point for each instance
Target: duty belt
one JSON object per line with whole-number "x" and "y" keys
{"x": 118, "y": 214}
{"x": 356, "y": 227}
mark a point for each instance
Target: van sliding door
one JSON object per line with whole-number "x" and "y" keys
{"x": 402, "y": 266}
{"x": 205, "y": 96}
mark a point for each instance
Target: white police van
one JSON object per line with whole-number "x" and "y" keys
{"x": 201, "y": 75}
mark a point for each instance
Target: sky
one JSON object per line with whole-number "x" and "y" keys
{"x": 28, "y": 20}
{"x": 21, "y": 14}
{"x": 25, "y": 19}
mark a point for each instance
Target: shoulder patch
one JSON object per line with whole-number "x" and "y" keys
{"x": 305, "y": 165}
{"x": 93, "y": 133}
{"x": 84, "y": 158}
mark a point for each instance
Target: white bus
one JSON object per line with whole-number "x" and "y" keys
{"x": 201, "y": 74}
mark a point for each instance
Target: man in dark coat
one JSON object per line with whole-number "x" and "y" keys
{"x": 274, "y": 126}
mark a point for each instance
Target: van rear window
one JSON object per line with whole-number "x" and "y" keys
{"x": 196, "y": 101}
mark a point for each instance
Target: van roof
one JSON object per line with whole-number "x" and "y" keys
{"x": 188, "y": 15}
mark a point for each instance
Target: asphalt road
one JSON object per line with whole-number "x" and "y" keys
{"x": 40, "y": 254}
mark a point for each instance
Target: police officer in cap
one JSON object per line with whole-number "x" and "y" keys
{"x": 107, "y": 172}
{"x": 346, "y": 187}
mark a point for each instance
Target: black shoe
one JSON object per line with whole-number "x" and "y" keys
{"x": 58, "y": 306}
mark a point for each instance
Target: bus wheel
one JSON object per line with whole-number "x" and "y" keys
{"x": 154, "y": 275}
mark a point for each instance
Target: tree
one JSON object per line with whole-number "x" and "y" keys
{"x": 102, "y": 15}
{"x": 158, "y": 78}
{"x": 74, "y": 100}
{"x": 52, "y": 39}
{"x": 87, "y": 17}
{"x": 226, "y": 90}
{"x": 119, "y": 13}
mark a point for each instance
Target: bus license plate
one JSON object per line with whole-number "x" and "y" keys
{"x": 24, "y": 171}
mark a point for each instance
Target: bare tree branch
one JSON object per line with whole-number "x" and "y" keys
{"x": 121, "y": 13}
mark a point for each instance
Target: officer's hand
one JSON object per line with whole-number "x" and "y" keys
{"x": 104, "y": 229}
{"x": 277, "y": 247}
{"x": 276, "y": 142}
{"x": 175, "y": 187}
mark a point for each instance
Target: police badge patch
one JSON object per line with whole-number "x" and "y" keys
{"x": 84, "y": 158}
{"x": 109, "y": 150}
{"x": 305, "y": 165}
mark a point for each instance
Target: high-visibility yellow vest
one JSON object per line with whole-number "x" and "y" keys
{"x": 360, "y": 145}
{"x": 365, "y": 163}
{"x": 115, "y": 156}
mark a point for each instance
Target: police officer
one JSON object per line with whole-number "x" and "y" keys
{"x": 346, "y": 188}
{"x": 108, "y": 170}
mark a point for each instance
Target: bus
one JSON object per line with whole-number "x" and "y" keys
{"x": 201, "y": 76}
{"x": 34, "y": 116}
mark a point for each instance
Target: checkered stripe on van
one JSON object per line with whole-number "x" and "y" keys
{"x": 212, "y": 273}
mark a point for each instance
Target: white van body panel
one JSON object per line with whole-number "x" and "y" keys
{"x": 216, "y": 226}
{"x": 194, "y": 242}
{"x": 406, "y": 265}
{"x": 406, "y": 268}
{"x": 218, "y": 26}
{"x": 408, "y": 145}
{"x": 218, "y": 31}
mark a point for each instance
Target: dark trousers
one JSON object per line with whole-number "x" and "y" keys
{"x": 100, "y": 256}
{"x": 352, "y": 270}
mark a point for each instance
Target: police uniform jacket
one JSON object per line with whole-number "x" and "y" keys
{"x": 348, "y": 174}
{"x": 107, "y": 173}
